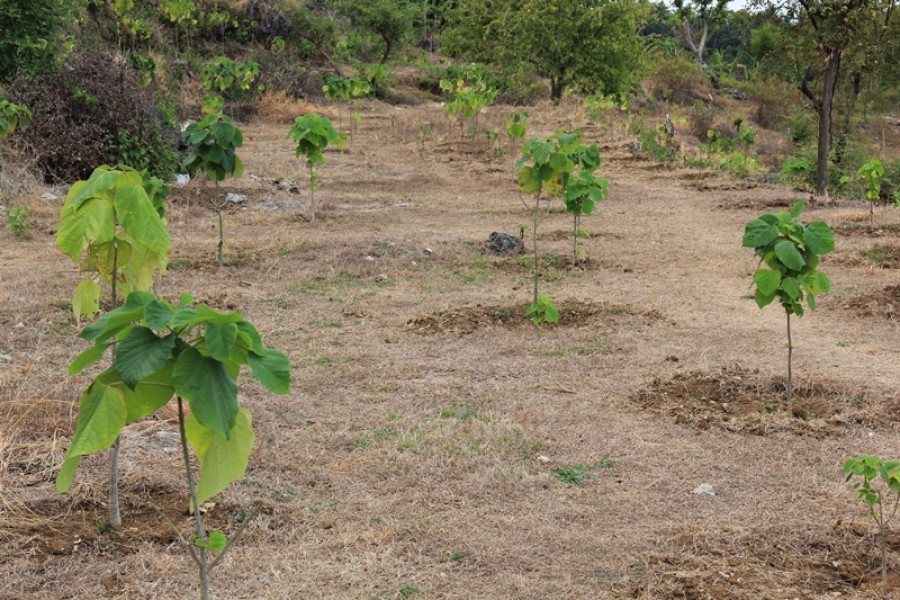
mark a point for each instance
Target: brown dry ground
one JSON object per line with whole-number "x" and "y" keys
{"x": 423, "y": 448}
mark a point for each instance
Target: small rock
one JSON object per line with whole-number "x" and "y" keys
{"x": 233, "y": 198}
{"x": 428, "y": 251}
{"x": 704, "y": 489}
{"x": 726, "y": 407}
{"x": 294, "y": 190}
{"x": 5, "y": 357}
{"x": 504, "y": 243}
{"x": 49, "y": 196}
{"x": 543, "y": 459}
{"x": 182, "y": 179}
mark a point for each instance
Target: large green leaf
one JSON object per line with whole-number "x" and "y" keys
{"x": 767, "y": 280}
{"x": 819, "y": 238}
{"x": 273, "y": 369}
{"x": 759, "y": 233}
{"x": 530, "y": 181}
{"x": 97, "y": 186}
{"x": 140, "y": 219}
{"x": 222, "y": 460}
{"x": 141, "y": 353}
{"x": 208, "y": 388}
{"x": 151, "y": 394}
{"x": 220, "y": 339}
{"x": 158, "y": 314}
{"x": 92, "y": 222}
{"x": 100, "y": 419}
{"x": 789, "y": 256}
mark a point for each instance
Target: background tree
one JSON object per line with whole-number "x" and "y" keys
{"x": 699, "y": 18}
{"x": 390, "y": 20}
{"x": 591, "y": 44}
{"x": 31, "y": 33}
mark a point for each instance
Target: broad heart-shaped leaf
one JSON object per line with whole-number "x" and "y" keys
{"x": 767, "y": 281}
{"x": 530, "y": 181}
{"x": 158, "y": 314}
{"x": 100, "y": 419}
{"x": 139, "y": 272}
{"x": 93, "y": 221}
{"x": 105, "y": 258}
{"x": 223, "y": 460}
{"x": 86, "y": 299}
{"x": 98, "y": 185}
{"x": 791, "y": 287}
{"x": 141, "y": 353}
{"x": 150, "y": 394}
{"x": 140, "y": 219}
{"x": 759, "y": 233}
{"x": 208, "y": 388}
{"x": 789, "y": 256}
{"x": 253, "y": 339}
{"x": 819, "y": 238}
{"x": 272, "y": 369}
{"x": 220, "y": 339}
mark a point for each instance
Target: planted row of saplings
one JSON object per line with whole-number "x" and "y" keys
{"x": 113, "y": 226}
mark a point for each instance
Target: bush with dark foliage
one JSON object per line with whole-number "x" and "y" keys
{"x": 90, "y": 112}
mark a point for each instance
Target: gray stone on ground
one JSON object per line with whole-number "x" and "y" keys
{"x": 504, "y": 243}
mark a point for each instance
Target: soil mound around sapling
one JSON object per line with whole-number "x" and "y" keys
{"x": 743, "y": 401}
{"x": 718, "y": 185}
{"x": 760, "y": 204}
{"x": 749, "y": 563}
{"x": 861, "y": 228}
{"x": 880, "y": 304}
{"x": 464, "y": 321}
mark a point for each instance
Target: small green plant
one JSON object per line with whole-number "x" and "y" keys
{"x": 424, "y": 134}
{"x": 345, "y": 89}
{"x": 879, "y": 487}
{"x": 230, "y": 78}
{"x": 313, "y": 134}
{"x": 112, "y": 225}
{"x": 555, "y": 167}
{"x": 873, "y": 174}
{"x": 213, "y": 142}
{"x": 161, "y": 351}
{"x": 543, "y": 311}
{"x": 584, "y": 192}
{"x": 791, "y": 252}
{"x": 13, "y": 117}
{"x": 516, "y": 126}
{"x": 17, "y": 219}
{"x": 468, "y": 96}
{"x": 493, "y": 138}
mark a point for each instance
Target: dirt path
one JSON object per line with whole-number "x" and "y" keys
{"x": 426, "y": 448}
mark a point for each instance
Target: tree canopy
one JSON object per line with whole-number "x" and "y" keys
{"x": 593, "y": 45}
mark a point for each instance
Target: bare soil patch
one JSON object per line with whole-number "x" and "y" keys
{"x": 880, "y": 304}
{"x": 571, "y": 314}
{"x": 740, "y": 400}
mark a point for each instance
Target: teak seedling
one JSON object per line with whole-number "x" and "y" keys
{"x": 112, "y": 225}
{"x": 558, "y": 166}
{"x": 194, "y": 354}
{"x": 791, "y": 252}
{"x": 213, "y": 142}
{"x": 344, "y": 89}
{"x": 12, "y": 117}
{"x": 873, "y": 174}
{"x": 313, "y": 134}
{"x": 882, "y": 497}
{"x": 468, "y": 99}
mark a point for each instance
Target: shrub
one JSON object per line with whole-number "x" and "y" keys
{"x": 31, "y": 34}
{"x": 772, "y": 97}
{"x": 676, "y": 80}
{"x": 86, "y": 113}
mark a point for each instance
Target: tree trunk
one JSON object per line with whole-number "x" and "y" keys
{"x": 556, "y": 89}
{"x": 832, "y": 66}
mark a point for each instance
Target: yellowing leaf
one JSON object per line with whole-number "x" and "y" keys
{"x": 86, "y": 299}
{"x": 221, "y": 461}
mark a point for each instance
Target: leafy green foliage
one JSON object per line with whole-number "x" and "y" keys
{"x": 112, "y": 225}
{"x": 17, "y": 219}
{"x": 229, "y": 77}
{"x": 468, "y": 97}
{"x": 543, "y": 311}
{"x": 31, "y": 33}
{"x": 591, "y": 44}
{"x": 313, "y": 133}
{"x": 345, "y": 88}
{"x": 213, "y": 142}
{"x": 516, "y": 124}
{"x": 166, "y": 350}
{"x": 13, "y": 117}
{"x": 878, "y": 485}
{"x": 791, "y": 252}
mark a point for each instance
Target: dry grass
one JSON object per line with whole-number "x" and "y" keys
{"x": 412, "y": 463}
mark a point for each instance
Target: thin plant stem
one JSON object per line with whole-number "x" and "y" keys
{"x": 790, "y": 387}
{"x": 200, "y": 554}
{"x": 115, "y": 513}
{"x": 221, "y": 247}
{"x": 534, "y": 243}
